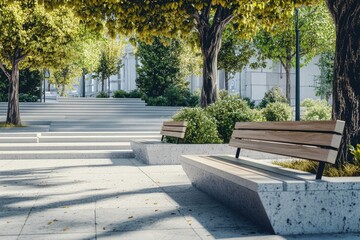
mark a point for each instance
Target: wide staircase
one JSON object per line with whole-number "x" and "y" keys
{"x": 80, "y": 128}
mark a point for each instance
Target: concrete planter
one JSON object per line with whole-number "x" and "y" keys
{"x": 154, "y": 152}
{"x": 287, "y": 202}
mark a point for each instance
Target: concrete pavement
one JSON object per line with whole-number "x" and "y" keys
{"x": 114, "y": 199}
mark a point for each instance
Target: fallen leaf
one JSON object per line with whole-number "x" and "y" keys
{"x": 130, "y": 217}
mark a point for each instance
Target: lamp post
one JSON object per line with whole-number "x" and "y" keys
{"x": 297, "y": 76}
{"x": 46, "y": 75}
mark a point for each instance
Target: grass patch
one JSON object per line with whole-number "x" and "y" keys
{"x": 7, "y": 125}
{"x": 347, "y": 170}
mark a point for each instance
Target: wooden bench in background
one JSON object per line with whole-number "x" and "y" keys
{"x": 174, "y": 129}
{"x": 282, "y": 200}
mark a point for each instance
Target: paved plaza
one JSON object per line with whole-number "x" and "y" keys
{"x": 114, "y": 199}
{"x": 73, "y": 176}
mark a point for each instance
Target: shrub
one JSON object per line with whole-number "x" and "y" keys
{"x": 329, "y": 171}
{"x": 23, "y": 97}
{"x": 227, "y": 112}
{"x": 250, "y": 102}
{"x": 201, "y": 127}
{"x": 3, "y": 97}
{"x": 223, "y": 94}
{"x": 316, "y": 109}
{"x": 102, "y": 95}
{"x": 120, "y": 94}
{"x": 271, "y": 96}
{"x": 135, "y": 94}
{"x": 356, "y": 152}
{"x": 177, "y": 96}
{"x": 277, "y": 111}
{"x": 156, "y": 101}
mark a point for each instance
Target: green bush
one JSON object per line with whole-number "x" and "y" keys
{"x": 102, "y": 95}
{"x": 250, "y": 102}
{"x": 177, "y": 96}
{"x": 277, "y": 111}
{"x": 120, "y": 94}
{"x": 227, "y": 112}
{"x": 356, "y": 152}
{"x": 201, "y": 127}
{"x": 3, "y": 97}
{"x": 23, "y": 97}
{"x": 271, "y": 96}
{"x": 156, "y": 101}
{"x": 135, "y": 94}
{"x": 316, "y": 110}
{"x": 223, "y": 94}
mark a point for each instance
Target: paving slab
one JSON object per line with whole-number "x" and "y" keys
{"x": 115, "y": 199}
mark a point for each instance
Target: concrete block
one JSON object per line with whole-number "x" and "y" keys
{"x": 331, "y": 205}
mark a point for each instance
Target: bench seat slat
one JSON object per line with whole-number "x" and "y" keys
{"x": 173, "y": 123}
{"x": 311, "y": 126}
{"x": 306, "y": 138}
{"x": 173, "y": 134}
{"x": 173, "y": 129}
{"x": 299, "y": 151}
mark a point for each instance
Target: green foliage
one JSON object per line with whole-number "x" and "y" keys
{"x": 135, "y": 94}
{"x": 347, "y": 170}
{"x": 102, "y": 95}
{"x": 110, "y": 61}
{"x": 177, "y": 96}
{"x": 356, "y": 152}
{"x": 120, "y": 94}
{"x": 277, "y": 111}
{"x": 160, "y": 67}
{"x": 223, "y": 94}
{"x": 316, "y": 109}
{"x": 156, "y": 101}
{"x": 24, "y": 97}
{"x": 250, "y": 102}
{"x": 227, "y": 112}
{"x": 201, "y": 127}
{"x": 271, "y": 96}
{"x": 324, "y": 81}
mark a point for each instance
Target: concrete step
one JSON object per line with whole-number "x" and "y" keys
{"x": 68, "y": 154}
{"x": 77, "y": 139}
{"x": 94, "y": 134}
{"x": 18, "y": 139}
{"x": 20, "y": 147}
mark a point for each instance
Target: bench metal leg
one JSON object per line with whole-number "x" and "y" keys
{"x": 237, "y": 153}
{"x": 320, "y": 170}
{"x": 162, "y": 138}
{"x": 177, "y": 141}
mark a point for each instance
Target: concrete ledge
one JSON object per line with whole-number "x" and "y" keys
{"x": 155, "y": 152}
{"x": 282, "y": 201}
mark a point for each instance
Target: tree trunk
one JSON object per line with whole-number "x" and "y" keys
{"x": 346, "y": 85}
{"x": 63, "y": 90}
{"x": 288, "y": 81}
{"x": 102, "y": 85}
{"x": 226, "y": 81}
{"x": 13, "y": 113}
{"x": 210, "y": 35}
{"x": 210, "y": 91}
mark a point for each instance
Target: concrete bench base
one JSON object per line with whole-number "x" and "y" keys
{"x": 155, "y": 152}
{"x": 282, "y": 201}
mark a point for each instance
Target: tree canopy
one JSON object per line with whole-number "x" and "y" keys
{"x": 202, "y": 20}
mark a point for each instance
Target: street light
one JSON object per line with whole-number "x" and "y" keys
{"x": 46, "y": 75}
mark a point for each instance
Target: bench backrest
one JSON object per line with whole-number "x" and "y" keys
{"x": 313, "y": 140}
{"x": 173, "y": 129}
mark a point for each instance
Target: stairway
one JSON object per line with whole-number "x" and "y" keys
{"x": 79, "y": 128}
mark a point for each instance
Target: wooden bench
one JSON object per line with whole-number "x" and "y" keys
{"x": 174, "y": 129}
{"x": 282, "y": 200}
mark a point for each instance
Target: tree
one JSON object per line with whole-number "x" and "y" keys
{"x": 346, "y": 85}
{"x": 30, "y": 35}
{"x": 160, "y": 67}
{"x": 324, "y": 81}
{"x": 234, "y": 55}
{"x": 317, "y": 36}
{"x": 203, "y": 19}
{"x": 110, "y": 62}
